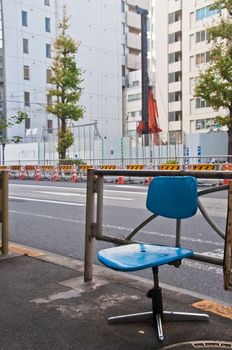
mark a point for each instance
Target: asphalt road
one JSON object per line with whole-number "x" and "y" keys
{"x": 51, "y": 216}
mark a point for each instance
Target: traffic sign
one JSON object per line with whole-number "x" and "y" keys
{"x": 199, "y": 154}
{"x": 187, "y": 155}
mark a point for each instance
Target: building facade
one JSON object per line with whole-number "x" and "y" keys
{"x": 182, "y": 51}
{"x": 29, "y": 30}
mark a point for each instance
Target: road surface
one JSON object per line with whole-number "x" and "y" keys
{"x": 51, "y": 216}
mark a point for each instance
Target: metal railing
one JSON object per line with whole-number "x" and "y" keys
{"x": 123, "y": 161}
{"x": 94, "y": 216}
{"x": 4, "y": 210}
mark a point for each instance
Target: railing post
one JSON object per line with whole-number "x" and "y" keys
{"x": 227, "y": 265}
{"x": 100, "y": 187}
{"x": 4, "y": 201}
{"x": 89, "y": 220}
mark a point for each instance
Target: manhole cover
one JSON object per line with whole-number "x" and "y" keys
{"x": 201, "y": 344}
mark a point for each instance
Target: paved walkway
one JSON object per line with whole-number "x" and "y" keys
{"x": 45, "y": 305}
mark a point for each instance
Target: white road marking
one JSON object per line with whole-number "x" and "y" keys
{"x": 188, "y": 263}
{"x": 203, "y": 267}
{"x": 81, "y": 195}
{"x": 79, "y": 189}
{"x": 46, "y": 201}
{"x": 122, "y": 229}
{"x": 128, "y": 186}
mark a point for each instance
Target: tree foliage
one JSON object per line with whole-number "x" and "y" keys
{"x": 17, "y": 119}
{"x": 66, "y": 80}
{"x": 214, "y": 83}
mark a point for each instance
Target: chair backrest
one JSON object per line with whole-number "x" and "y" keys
{"x": 173, "y": 196}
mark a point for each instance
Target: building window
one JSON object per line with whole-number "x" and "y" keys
{"x": 24, "y": 19}
{"x": 48, "y": 50}
{"x": 48, "y": 75}
{"x": 135, "y": 83}
{"x": 205, "y": 123}
{"x": 174, "y": 77}
{"x": 191, "y": 85}
{"x": 49, "y": 100}
{"x": 174, "y": 57}
{"x": 50, "y": 126}
{"x": 202, "y": 35}
{"x": 175, "y": 137}
{"x": 26, "y": 98}
{"x": 47, "y": 2}
{"x": 122, "y": 6}
{"x": 27, "y": 123}
{"x": 201, "y": 103}
{"x": 123, "y": 49}
{"x": 47, "y": 24}
{"x": 123, "y": 70}
{"x": 174, "y": 116}
{"x": 25, "y": 46}
{"x": 205, "y": 12}
{"x": 123, "y": 28}
{"x": 192, "y": 19}
{"x": 174, "y": 17}
{"x": 191, "y": 42}
{"x": 174, "y": 96}
{"x": 26, "y": 72}
{"x": 174, "y": 37}
{"x": 202, "y": 57}
{"x": 134, "y": 97}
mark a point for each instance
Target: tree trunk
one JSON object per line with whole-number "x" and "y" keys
{"x": 63, "y": 130}
{"x": 230, "y": 137}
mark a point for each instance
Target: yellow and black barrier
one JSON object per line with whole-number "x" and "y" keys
{"x": 204, "y": 167}
{"x": 108, "y": 167}
{"x": 135, "y": 167}
{"x": 30, "y": 167}
{"x": 3, "y": 167}
{"x": 47, "y": 168}
{"x": 15, "y": 167}
{"x": 85, "y": 167}
{"x": 66, "y": 168}
{"x": 169, "y": 167}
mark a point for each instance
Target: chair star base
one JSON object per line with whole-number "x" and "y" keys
{"x": 167, "y": 316}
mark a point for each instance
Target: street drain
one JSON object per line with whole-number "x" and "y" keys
{"x": 201, "y": 344}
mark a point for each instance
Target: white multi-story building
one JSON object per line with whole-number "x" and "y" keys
{"x": 110, "y": 50}
{"x": 182, "y": 50}
{"x": 29, "y": 30}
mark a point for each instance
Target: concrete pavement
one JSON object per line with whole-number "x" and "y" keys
{"x": 46, "y": 305}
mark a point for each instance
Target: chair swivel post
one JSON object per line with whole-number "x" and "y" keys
{"x": 157, "y": 303}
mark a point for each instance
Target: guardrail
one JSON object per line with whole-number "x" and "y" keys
{"x": 124, "y": 161}
{"x": 94, "y": 216}
{"x": 75, "y": 173}
{"x": 4, "y": 210}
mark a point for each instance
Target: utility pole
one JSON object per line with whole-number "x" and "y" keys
{"x": 144, "y": 70}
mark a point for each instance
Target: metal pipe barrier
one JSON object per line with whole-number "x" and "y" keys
{"x": 94, "y": 216}
{"x": 4, "y": 210}
{"x": 124, "y": 161}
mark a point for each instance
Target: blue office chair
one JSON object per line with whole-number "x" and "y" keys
{"x": 172, "y": 197}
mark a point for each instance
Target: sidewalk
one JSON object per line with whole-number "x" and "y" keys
{"x": 45, "y": 305}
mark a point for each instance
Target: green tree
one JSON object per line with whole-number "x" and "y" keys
{"x": 17, "y": 119}
{"x": 66, "y": 80}
{"x": 214, "y": 84}
{"x": 5, "y": 124}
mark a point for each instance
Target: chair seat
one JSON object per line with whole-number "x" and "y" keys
{"x": 134, "y": 257}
